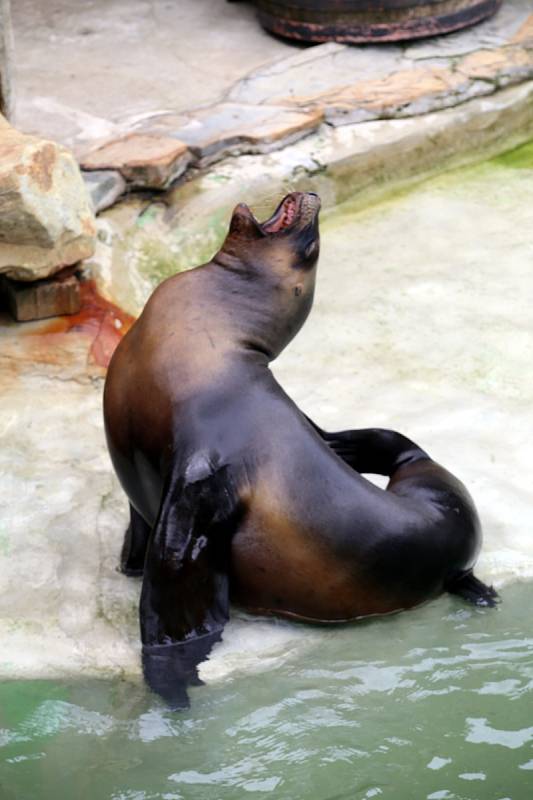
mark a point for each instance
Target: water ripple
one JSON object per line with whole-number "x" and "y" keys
{"x": 482, "y": 732}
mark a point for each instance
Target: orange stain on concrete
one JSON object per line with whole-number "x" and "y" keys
{"x": 101, "y": 321}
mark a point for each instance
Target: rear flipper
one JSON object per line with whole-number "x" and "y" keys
{"x": 185, "y": 597}
{"x": 474, "y": 591}
{"x": 373, "y": 450}
{"x": 415, "y": 476}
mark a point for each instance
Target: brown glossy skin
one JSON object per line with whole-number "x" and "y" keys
{"x": 309, "y": 536}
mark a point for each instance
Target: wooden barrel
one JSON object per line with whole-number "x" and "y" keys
{"x": 359, "y": 21}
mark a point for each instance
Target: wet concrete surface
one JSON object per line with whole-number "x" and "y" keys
{"x": 421, "y": 323}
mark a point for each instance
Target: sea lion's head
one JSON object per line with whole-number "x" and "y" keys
{"x": 277, "y": 258}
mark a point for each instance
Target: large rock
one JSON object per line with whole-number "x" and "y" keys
{"x": 46, "y": 220}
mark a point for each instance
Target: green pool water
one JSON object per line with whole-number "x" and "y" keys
{"x": 434, "y": 703}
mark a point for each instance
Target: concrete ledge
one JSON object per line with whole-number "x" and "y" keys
{"x": 284, "y": 101}
{"x": 356, "y": 162}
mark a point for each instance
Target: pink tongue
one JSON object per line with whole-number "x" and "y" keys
{"x": 286, "y": 218}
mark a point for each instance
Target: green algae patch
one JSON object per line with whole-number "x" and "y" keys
{"x": 519, "y": 158}
{"x": 142, "y": 243}
{"x": 165, "y": 252}
{"x": 4, "y": 543}
{"x": 455, "y": 183}
{"x": 157, "y": 261}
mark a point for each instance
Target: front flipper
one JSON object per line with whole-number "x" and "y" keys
{"x": 372, "y": 450}
{"x": 474, "y": 591}
{"x": 135, "y": 543}
{"x": 184, "y": 600}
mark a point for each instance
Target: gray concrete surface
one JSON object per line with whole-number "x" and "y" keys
{"x": 87, "y": 65}
{"x": 89, "y": 71}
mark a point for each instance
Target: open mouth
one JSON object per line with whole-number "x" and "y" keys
{"x": 296, "y": 211}
{"x": 297, "y": 208}
{"x": 284, "y": 216}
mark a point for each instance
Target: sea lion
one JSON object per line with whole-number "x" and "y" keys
{"x": 235, "y": 493}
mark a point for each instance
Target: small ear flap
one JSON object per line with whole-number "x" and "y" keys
{"x": 243, "y": 223}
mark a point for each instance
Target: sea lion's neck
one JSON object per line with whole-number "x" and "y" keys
{"x": 260, "y": 315}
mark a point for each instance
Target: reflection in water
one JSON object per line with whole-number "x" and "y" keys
{"x": 481, "y": 731}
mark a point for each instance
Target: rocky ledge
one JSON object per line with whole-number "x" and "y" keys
{"x": 333, "y": 84}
